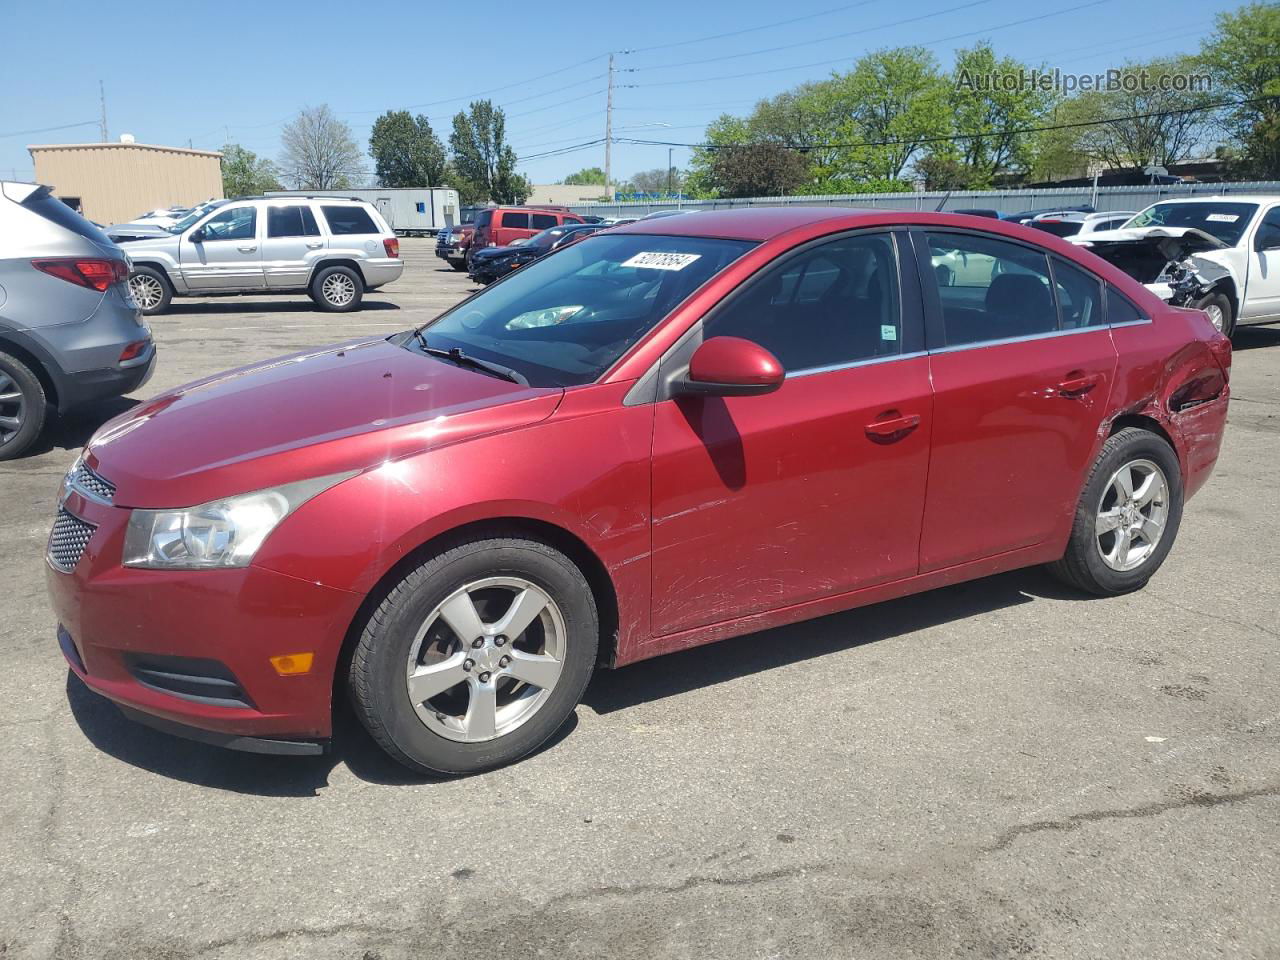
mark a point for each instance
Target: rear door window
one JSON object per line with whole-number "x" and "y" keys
{"x": 291, "y": 221}
{"x": 519, "y": 221}
{"x": 346, "y": 220}
{"x": 1079, "y": 296}
{"x": 990, "y": 289}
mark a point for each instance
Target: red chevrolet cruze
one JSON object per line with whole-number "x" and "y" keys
{"x": 668, "y": 434}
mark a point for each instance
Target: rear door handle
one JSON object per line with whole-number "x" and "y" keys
{"x": 246, "y": 249}
{"x": 1078, "y": 384}
{"x": 891, "y": 426}
{"x": 314, "y": 246}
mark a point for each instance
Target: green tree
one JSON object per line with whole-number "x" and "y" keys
{"x": 989, "y": 119}
{"x": 762, "y": 169}
{"x": 894, "y": 99}
{"x": 245, "y": 174}
{"x": 725, "y": 130}
{"x": 943, "y": 170}
{"x": 587, "y": 177}
{"x": 484, "y": 161}
{"x": 652, "y": 181}
{"x": 1242, "y": 58}
{"x": 406, "y": 151}
{"x": 319, "y": 152}
{"x": 1149, "y": 125}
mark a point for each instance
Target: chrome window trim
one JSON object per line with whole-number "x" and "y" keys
{"x": 810, "y": 371}
{"x": 1101, "y": 328}
{"x": 1145, "y": 321}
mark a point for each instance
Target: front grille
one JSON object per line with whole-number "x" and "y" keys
{"x": 88, "y": 482}
{"x": 67, "y": 540}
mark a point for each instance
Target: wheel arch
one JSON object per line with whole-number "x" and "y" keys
{"x": 593, "y": 569}
{"x": 161, "y": 269}
{"x": 37, "y": 364}
{"x": 336, "y": 262}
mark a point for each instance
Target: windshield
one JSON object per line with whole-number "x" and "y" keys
{"x": 1226, "y": 221}
{"x": 191, "y": 218}
{"x": 565, "y": 319}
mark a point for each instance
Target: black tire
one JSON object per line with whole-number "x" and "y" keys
{"x": 1082, "y": 566}
{"x": 459, "y": 265}
{"x": 377, "y": 675}
{"x": 1222, "y": 302}
{"x": 158, "y": 286}
{"x": 26, "y": 406}
{"x": 342, "y": 294}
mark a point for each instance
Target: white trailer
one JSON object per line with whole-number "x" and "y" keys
{"x": 408, "y": 210}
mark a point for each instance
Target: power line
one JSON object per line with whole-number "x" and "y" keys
{"x": 65, "y": 126}
{"x": 808, "y": 43}
{"x": 738, "y": 33}
{"x": 984, "y": 135}
{"x": 845, "y": 59}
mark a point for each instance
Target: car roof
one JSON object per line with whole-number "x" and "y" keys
{"x": 751, "y": 223}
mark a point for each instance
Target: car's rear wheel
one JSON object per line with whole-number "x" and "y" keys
{"x": 476, "y": 657}
{"x": 22, "y": 407}
{"x": 1218, "y": 308}
{"x": 1127, "y": 517}
{"x": 337, "y": 289}
{"x": 150, "y": 290}
{"x": 459, "y": 265}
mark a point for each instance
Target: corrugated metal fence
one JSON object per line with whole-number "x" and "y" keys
{"x": 1003, "y": 201}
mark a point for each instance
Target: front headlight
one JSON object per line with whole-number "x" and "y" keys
{"x": 223, "y": 533}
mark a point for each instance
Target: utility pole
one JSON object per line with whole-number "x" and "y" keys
{"x": 670, "y": 171}
{"x": 608, "y": 131}
{"x": 102, "y": 101}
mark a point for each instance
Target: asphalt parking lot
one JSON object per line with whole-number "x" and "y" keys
{"x": 999, "y": 769}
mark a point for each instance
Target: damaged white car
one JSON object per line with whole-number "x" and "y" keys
{"x": 1216, "y": 254}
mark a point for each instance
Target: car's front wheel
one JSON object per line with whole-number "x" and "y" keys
{"x": 1127, "y": 517}
{"x": 22, "y": 407}
{"x": 1218, "y": 308}
{"x": 476, "y": 657}
{"x": 337, "y": 289}
{"x": 150, "y": 290}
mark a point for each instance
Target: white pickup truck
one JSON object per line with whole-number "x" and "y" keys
{"x": 1217, "y": 254}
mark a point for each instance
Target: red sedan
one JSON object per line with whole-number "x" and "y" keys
{"x": 670, "y": 433}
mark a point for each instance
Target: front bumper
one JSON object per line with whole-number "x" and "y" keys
{"x": 120, "y": 622}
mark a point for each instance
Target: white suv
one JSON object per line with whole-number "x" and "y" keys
{"x": 334, "y": 249}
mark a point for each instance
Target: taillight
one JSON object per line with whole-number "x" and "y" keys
{"x": 133, "y": 350}
{"x": 391, "y": 245}
{"x": 94, "y": 274}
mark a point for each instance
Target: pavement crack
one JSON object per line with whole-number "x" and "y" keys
{"x": 1211, "y": 616}
{"x": 1077, "y": 820}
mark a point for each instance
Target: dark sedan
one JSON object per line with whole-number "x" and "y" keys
{"x": 494, "y": 263}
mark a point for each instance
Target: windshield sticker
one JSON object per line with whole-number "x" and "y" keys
{"x": 1223, "y": 217}
{"x": 888, "y": 331}
{"x": 661, "y": 261}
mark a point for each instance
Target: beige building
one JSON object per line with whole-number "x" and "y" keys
{"x": 116, "y": 182}
{"x": 563, "y": 194}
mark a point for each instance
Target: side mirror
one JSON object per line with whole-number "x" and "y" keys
{"x": 197, "y": 236}
{"x": 730, "y": 367}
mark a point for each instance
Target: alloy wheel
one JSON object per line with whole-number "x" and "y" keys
{"x": 486, "y": 659}
{"x": 1216, "y": 316}
{"x": 338, "y": 289}
{"x": 147, "y": 292}
{"x": 13, "y": 408}
{"x": 1132, "y": 514}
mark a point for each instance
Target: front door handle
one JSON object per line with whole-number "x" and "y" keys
{"x": 246, "y": 249}
{"x": 891, "y": 426}
{"x": 1078, "y": 383}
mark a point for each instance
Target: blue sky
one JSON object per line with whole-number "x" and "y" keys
{"x": 204, "y": 73}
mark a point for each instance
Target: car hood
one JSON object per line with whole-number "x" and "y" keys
{"x": 491, "y": 253}
{"x": 164, "y": 240}
{"x": 1175, "y": 242}
{"x": 342, "y": 408}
